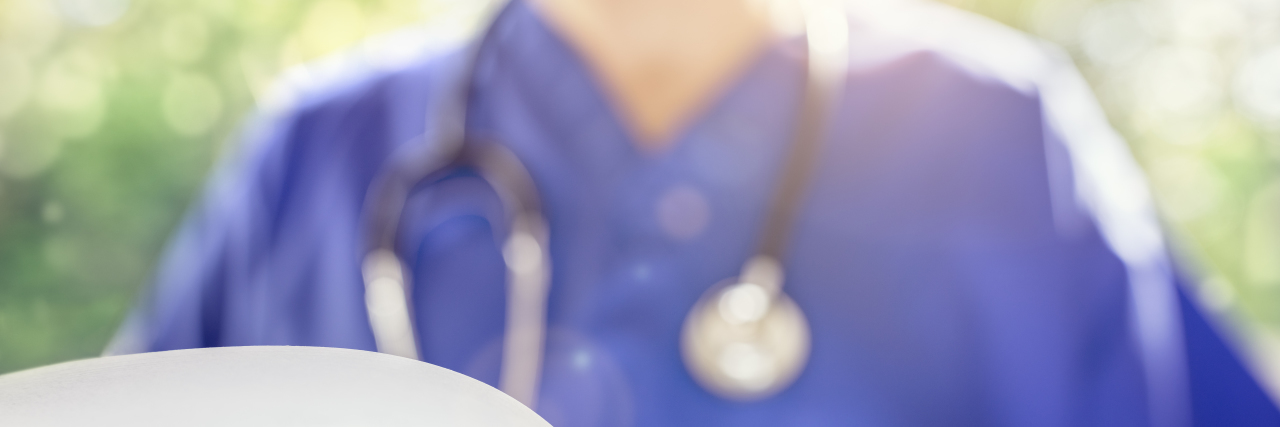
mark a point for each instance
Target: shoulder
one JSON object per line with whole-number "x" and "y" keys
{"x": 944, "y": 84}
{"x": 332, "y": 121}
{"x": 351, "y": 106}
{"x": 943, "y": 39}
{"x": 936, "y": 85}
{"x": 1015, "y": 93}
{"x": 384, "y": 76}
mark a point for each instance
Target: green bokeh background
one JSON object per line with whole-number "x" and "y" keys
{"x": 112, "y": 113}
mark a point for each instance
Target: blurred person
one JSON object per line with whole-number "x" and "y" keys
{"x": 970, "y": 244}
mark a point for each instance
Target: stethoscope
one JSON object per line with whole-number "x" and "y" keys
{"x": 744, "y": 339}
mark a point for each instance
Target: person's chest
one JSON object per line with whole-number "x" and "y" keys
{"x": 923, "y": 252}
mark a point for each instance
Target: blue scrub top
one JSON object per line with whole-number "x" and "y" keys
{"x": 976, "y": 247}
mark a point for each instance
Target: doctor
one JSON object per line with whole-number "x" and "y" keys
{"x": 969, "y": 243}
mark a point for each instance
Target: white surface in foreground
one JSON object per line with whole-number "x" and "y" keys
{"x": 254, "y": 386}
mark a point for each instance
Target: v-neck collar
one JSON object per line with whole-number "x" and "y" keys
{"x": 571, "y": 103}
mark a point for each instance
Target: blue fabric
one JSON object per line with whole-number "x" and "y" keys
{"x": 1223, "y": 392}
{"x": 929, "y": 254}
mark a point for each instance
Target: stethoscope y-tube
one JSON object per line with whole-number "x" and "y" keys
{"x": 745, "y": 339}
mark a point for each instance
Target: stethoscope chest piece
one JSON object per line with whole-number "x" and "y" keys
{"x": 745, "y": 339}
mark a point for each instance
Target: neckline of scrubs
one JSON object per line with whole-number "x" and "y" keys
{"x": 549, "y": 62}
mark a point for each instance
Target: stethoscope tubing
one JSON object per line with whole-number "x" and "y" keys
{"x": 526, "y": 248}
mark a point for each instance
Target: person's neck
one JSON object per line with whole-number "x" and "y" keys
{"x": 660, "y": 61}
